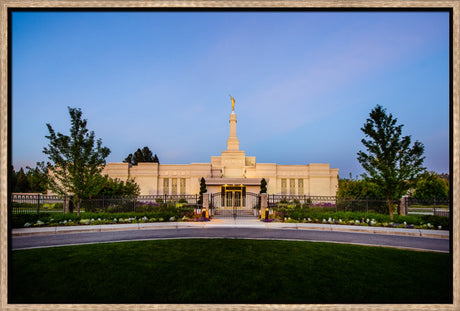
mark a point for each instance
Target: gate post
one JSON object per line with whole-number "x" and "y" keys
{"x": 66, "y": 207}
{"x": 403, "y": 206}
{"x": 206, "y": 203}
{"x": 263, "y": 204}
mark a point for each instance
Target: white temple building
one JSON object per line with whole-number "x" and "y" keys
{"x": 231, "y": 173}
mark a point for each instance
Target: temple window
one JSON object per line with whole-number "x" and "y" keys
{"x": 182, "y": 186}
{"x": 165, "y": 186}
{"x": 174, "y": 186}
{"x": 300, "y": 186}
{"x": 292, "y": 186}
{"x": 283, "y": 186}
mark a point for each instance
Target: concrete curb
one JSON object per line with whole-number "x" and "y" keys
{"x": 440, "y": 234}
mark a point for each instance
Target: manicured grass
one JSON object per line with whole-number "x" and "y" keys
{"x": 228, "y": 271}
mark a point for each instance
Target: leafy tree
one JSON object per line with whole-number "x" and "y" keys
{"x": 431, "y": 185}
{"x": 76, "y": 161}
{"x": 144, "y": 155}
{"x": 263, "y": 186}
{"x": 116, "y": 187}
{"x": 357, "y": 188}
{"x": 390, "y": 162}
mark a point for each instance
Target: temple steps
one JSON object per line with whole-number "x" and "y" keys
{"x": 240, "y": 212}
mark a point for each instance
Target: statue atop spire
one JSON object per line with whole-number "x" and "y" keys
{"x": 233, "y": 102}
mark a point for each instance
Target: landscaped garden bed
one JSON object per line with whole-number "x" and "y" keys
{"x": 167, "y": 212}
{"x": 160, "y": 214}
{"x": 325, "y": 216}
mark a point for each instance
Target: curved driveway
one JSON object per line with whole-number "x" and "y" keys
{"x": 233, "y": 232}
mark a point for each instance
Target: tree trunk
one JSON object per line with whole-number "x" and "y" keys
{"x": 390, "y": 207}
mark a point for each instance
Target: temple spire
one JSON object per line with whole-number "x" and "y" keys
{"x": 233, "y": 144}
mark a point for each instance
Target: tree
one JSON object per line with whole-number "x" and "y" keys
{"x": 144, "y": 155}
{"x": 202, "y": 190}
{"x": 22, "y": 184}
{"x": 357, "y": 188}
{"x": 431, "y": 185}
{"x": 13, "y": 179}
{"x": 390, "y": 162}
{"x": 203, "y": 186}
{"x": 76, "y": 161}
{"x": 263, "y": 186}
{"x": 129, "y": 159}
{"x": 138, "y": 157}
{"x": 38, "y": 177}
{"x": 111, "y": 187}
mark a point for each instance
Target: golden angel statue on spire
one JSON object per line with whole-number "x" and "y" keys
{"x": 233, "y": 102}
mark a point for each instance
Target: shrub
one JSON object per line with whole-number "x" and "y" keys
{"x": 436, "y": 221}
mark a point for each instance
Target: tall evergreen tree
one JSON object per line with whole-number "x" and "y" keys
{"x": 389, "y": 161}
{"x": 147, "y": 154}
{"x": 144, "y": 155}
{"x": 263, "y": 186}
{"x": 13, "y": 179}
{"x": 203, "y": 189}
{"x": 76, "y": 160}
{"x": 22, "y": 184}
{"x": 129, "y": 159}
{"x": 138, "y": 156}
{"x": 38, "y": 177}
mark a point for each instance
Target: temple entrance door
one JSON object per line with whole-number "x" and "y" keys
{"x": 235, "y": 196}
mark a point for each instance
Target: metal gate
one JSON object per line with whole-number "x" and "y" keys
{"x": 236, "y": 204}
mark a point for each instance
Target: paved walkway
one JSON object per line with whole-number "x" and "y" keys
{"x": 241, "y": 228}
{"x": 245, "y": 222}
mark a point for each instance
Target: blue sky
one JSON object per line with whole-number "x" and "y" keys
{"x": 304, "y": 82}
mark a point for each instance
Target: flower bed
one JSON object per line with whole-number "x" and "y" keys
{"x": 359, "y": 219}
{"x": 53, "y": 219}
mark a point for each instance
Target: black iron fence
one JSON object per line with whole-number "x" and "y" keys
{"x": 142, "y": 203}
{"x": 39, "y": 203}
{"x": 333, "y": 203}
{"x": 35, "y": 203}
{"x": 428, "y": 206}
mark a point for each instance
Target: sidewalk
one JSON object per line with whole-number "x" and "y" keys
{"x": 231, "y": 223}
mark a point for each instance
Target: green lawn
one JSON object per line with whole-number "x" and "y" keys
{"x": 228, "y": 271}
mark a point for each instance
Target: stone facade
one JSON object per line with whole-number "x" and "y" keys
{"x": 232, "y": 168}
